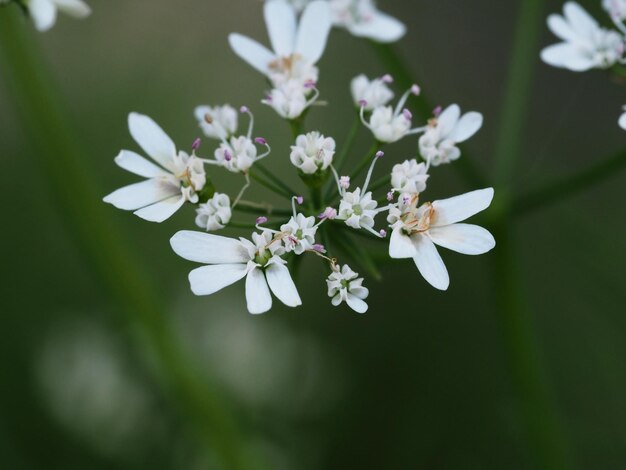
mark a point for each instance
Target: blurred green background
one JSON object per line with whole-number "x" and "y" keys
{"x": 423, "y": 380}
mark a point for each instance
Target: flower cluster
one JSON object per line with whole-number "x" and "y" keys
{"x": 587, "y": 45}
{"x": 322, "y": 225}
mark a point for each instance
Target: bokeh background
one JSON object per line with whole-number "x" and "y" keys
{"x": 423, "y": 380}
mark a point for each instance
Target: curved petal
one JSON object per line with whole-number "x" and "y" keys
{"x": 161, "y": 211}
{"x": 43, "y": 13}
{"x": 282, "y": 285}
{"x": 567, "y": 56}
{"x": 356, "y": 304}
{"x": 315, "y": 25}
{"x": 448, "y": 119}
{"x": 581, "y": 21}
{"x": 458, "y": 208}
{"x": 138, "y": 195}
{"x": 207, "y": 248}
{"x": 135, "y": 163}
{"x": 258, "y": 294}
{"x": 467, "y": 126}
{"x": 561, "y": 28}
{"x": 75, "y": 8}
{"x": 381, "y": 28}
{"x": 429, "y": 263}
{"x": 255, "y": 54}
{"x": 400, "y": 245}
{"x": 280, "y": 18}
{"x": 463, "y": 238}
{"x": 207, "y": 280}
{"x": 152, "y": 139}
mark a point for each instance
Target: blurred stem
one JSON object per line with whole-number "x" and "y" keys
{"x": 271, "y": 186}
{"x": 54, "y": 146}
{"x": 569, "y": 186}
{"x": 403, "y": 75}
{"x": 367, "y": 160}
{"x": 339, "y": 162}
{"x": 257, "y": 209}
{"x": 274, "y": 179}
{"x": 381, "y": 183}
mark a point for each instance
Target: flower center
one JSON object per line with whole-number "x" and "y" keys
{"x": 357, "y": 209}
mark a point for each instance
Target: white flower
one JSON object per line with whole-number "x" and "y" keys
{"x": 389, "y": 125}
{"x": 44, "y": 12}
{"x": 344, "y": 285}
{"x": 439, "y": 143}
{"x": 290, "y": 99}
{"x": 298, "y": 234}
{"x": 178, "y": 178}
{"x": 361, "y": 18}
{"x": 219, "y": 122}
{"x": 231, "y": 260}
{"x": 622, "y": 119}
{"x": 615, "y": 8}
{"x": 312, "y": 153}
{"x": 409, "y": 177}
{"x": 416, "y": 231}
{"x": 358, "y": 211}
{"x": 237, "y": 155}
{"x": 373, "y": 94}
{"x": 215, "y": 213}
{"x": 586, "y": 44}
{"x": 296, "y": 46}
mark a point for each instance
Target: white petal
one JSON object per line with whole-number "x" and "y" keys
{"x": 43, "y": 13}
{"x": 161, "y": 211}
{"x": 75, "y": 8}
{"x": 207, "y": 248}
{"x": 209, "y": 279}
{"x": 429, "y": 263}
{"x": 152, "y": 139}
{"x": 463, "y": 238}
{"x": 280, "y": 18}
{"x": 356, "y": 304}
{"x": 315, "y": 25}
{"x": 581, "y": 21}
{"x": 141, "y": 194}
{"x": 458, "y": 208}
{"x": 400, "y": 245}
{"x": 255, "y": 54}
{"x": 567, "y": 56}
{"x": 138, "y": 165}
{"x": 622, "y": 121}
{"x": 258, "y": 294}
{"x": 561, "y": 28}
{"x": 282, "y": 285}
{"x": 448, "y": 119}
{"x": 382, "y": 28}
{"x": 467, "y": 126}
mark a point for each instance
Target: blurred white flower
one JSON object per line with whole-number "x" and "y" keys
{"x": 178, "y": 178}
{"x": 416, "y": 231}
{"x": 219, "y": 122}
{"x": 389, "y": 125}
{"x": 230, "y": 260}
{"x": 371, "y": 93}
{"x": 409, "y": 177}
{"x": 344, "y": 285}
{"x": 615, "y": 8}
{"x": 439, "y": 143}
{"x": 586, "y": 44}
{"x": 622, "y": 119}
{"x": 215, "y": 213}
{"x": 291, "y": 98}
{"x": 313, "y": 152}
{"x": 44, "y": 12}
{"x": 361, "y": 18}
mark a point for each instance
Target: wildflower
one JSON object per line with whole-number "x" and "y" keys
{"x": 361, "y": 18}
{"x": 373, "y": 93}
{"x": 215, "y": 213}
{"x": 585, "y": 45}
{"x": 313, "y": 152}
{"x": 615, "y": 8}
{"x": 44, "y": 12}
{"x": 344, "y": 285}
{"x": 409, "y": 177}
{"x": 291, "y": 98}
{"x": 177, "y": 178}
{"x": 416, "y": 231}
{"x": 438, "y": 145}
{"x": 298, "y": 234}
{"x": 219, "y": 122}
{"x": 229, "y": 260}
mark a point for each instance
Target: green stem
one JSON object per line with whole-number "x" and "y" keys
{"x": 271, "y": 186}
{"x": 296, "y": 126}
{"x": 274, "y": 179}
{"x": 261, "y": 209}
{"x": 367, "y": 160}
{"x": 570, "y": 185}
{"x": 54, "y": 147}
{"x": 380, "y": 183}
{"x": 348, "y": 143}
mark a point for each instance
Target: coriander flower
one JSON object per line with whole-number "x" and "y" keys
{"x": 615, "y": 8}
{"x": 409, "y": 177}
{"x": 416, "y": 231}
{"x": 585, "y": 45}
{"x": 438, "y": 145}
{"x": 296, "y": 46}
{"x": 219, "y": 122}
{"x": 312, "y": 153}
{"x": 44, "y": 12}
{"x": 344, "y": 285}
{"x": 215, "y": 213}
{"x": 374, "y": 93}
{"x": 177, "y": 178}
{"x": 362, "y": 19}
{"x": 298, "y": 234}
{"x": 291, "y": 98}
{"x": 229, "y": 260}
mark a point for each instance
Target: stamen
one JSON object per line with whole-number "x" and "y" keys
{"x": 363, "y": 104}
{"x": 246, "y": 110}
{"x": 319, "y": 248}
{"x": 390, "y": 196}
{"x": 227, "y": 155}
{"x": 196, "y": 144}
{"x": 437, "y": 111}
{"x": 378, "y": 155}
{"x": 383, "y": 233}
{"x": 261, "y": 220}
{"x": 387, "y": 78}
{"x": 404, "y": 99}
{"x": 243, "y": 190}
{"x": 299, "y": 200}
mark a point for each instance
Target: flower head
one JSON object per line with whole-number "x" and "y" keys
{"x": 372, "y": 93}
{"x": 298, "y": 234}
{"x": 219, "y": 122}
{"x": 344, "y": 285}
{"x": 313, "y": 152}
{"x": 215, "y": 213}
{"x": 409, "y": 177}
